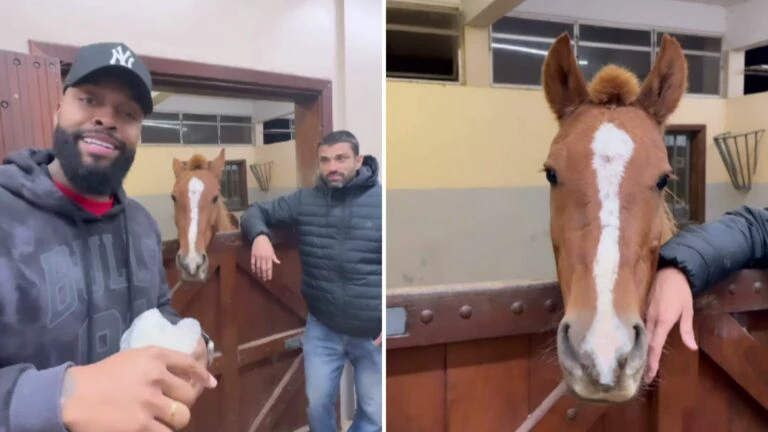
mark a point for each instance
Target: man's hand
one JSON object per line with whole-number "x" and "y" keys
{"x": 262, "y": 257}
{"x": 670, "y": 301}
{"x": 200, "y": 354}
{"x": 132, "y": 391}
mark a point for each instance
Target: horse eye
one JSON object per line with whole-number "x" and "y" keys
{"x": 173, "y": 197}
{"x": 215, "y": 199}
{"x": 662, "y": 183}
{"x": 551, "y": 176}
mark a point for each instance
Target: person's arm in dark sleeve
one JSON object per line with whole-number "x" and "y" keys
{"x": 260, "y": 216}
{"x": 710, "y": 252}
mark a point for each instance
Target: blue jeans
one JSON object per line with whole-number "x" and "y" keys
{"x": 325, "y": 353}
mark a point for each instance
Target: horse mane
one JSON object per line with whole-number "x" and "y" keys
{"x": 226, "y": 221}
{"x": 198, "y": 161}
{"x": 668, "y": 223}
{"x": 614, "y": 85}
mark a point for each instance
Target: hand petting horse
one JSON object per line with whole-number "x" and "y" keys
{"x": 608, "y": 170}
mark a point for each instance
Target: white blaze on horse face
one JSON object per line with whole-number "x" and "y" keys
{"x": 608, "y": 338}
{"x": 195, "y": 189}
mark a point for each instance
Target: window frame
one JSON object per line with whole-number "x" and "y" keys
{"x": 219, "y": 124}
{"x": 459, "y": 80}
{"x": 242, "y": 180}
{"x": 652, "y": 49}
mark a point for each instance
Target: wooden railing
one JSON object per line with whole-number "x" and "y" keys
{"x": 481, "y": 356}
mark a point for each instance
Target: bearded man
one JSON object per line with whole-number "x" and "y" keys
{"x": 340, "y": 246}
{"x": 79, "y": 261}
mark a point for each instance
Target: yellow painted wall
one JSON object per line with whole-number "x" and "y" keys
{"x": 284, "y": 172}
{"x": 152, "y": 171}
{"x": 449, "y": 136}
{"x": 745, "y": 114}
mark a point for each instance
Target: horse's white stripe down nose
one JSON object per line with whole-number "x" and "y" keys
{"x": 607, "y": 338}
{"x": 195, "y": 189}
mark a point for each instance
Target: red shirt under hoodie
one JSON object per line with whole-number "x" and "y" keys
{"x": 97, "y": 208}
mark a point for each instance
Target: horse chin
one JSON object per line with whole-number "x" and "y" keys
{"x": 200, "y": 276}
{"x": 583, "y": 387}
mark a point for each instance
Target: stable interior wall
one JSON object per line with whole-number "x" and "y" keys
{"x": 305, "y": 38}
{"x": 466, "y": 198}
{"x": 154, "y": 191}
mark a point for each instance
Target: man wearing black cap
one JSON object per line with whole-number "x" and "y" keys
{"x": 79, "y": 261}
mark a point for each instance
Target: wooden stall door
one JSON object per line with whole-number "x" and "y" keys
{"x": 258, "y": 328}
{"x": 30, "y": 90}
{"x": 468, "y": 361}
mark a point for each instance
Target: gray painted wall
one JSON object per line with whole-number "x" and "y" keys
{"x": 445, "y": 236}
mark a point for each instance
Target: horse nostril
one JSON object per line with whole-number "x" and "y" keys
{"x": 204, "y": 258}
{"x": 639, "y": 329}
{"x": 564, "y": 339}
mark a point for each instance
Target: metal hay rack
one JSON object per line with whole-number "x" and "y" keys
{"x": 263, "y": 174}
{"x": 739, "y": 155}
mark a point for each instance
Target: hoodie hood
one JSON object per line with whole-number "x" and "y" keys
{"x": 30, "y": 180}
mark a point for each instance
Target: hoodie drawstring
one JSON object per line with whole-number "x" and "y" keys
{"x": 128, "y": 268}
{"x": 87, "y": 267}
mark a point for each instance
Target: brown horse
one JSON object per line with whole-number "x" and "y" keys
{"x": 199, "y": 212}
{"x": 608, "y": 170}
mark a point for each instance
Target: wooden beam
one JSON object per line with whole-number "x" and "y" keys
{"x": 230, "y": 367}
{"x": 272, "y": 345}
{"x": 561, "y": 411}
{"x": 279, "y": 398}
{"x": 678, "y": 375}
{"x": 737, "y": 352}
{"x": 483, "y": 13}
{"x": 445, "y": 314}
{"x": 744, "y": 291}
{"x": 459, "y": 312}
{"x": 289, "y": 297}
{"x": 289, "y": 84}
{"x": 188, "y": 290}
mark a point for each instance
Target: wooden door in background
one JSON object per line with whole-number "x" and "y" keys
{"x": 30, "y": 90}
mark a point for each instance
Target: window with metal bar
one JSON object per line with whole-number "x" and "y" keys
{"x": 279, "y": 130}
{"x": 520, "y": 45}
{"x": 679, "y": 155}
{"x": 234, "y": 185}
{"x": 200, "y": 129}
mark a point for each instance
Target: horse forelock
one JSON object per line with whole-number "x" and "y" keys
{"x": 197, "y": 162}
{"x": 614, "y": 85}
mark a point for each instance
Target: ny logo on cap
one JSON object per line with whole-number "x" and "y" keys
{"x": 124, "y": 58}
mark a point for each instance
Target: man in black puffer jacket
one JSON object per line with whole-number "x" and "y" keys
{"x": 693, "y": 261}
{"x": 339, "y": 226}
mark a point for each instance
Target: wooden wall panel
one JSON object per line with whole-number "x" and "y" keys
{"x": 416, "y": 389}
{"x": 473, "y": 369}
{"x": 30, "y": 90}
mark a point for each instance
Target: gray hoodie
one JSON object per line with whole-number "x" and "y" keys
{"x": 68, "y": 289}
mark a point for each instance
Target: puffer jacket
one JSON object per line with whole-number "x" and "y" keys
{"x": 340, "y": 246}
{"x": 710, "y": 252}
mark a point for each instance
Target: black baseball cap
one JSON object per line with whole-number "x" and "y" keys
{"x": 114, "y": 59}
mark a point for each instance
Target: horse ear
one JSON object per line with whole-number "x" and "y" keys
{"x": 216, "y": 166}
{"x": 563, "y": 82}
{"x": 178, "y": 167}
{"x": 668, "y": 80}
